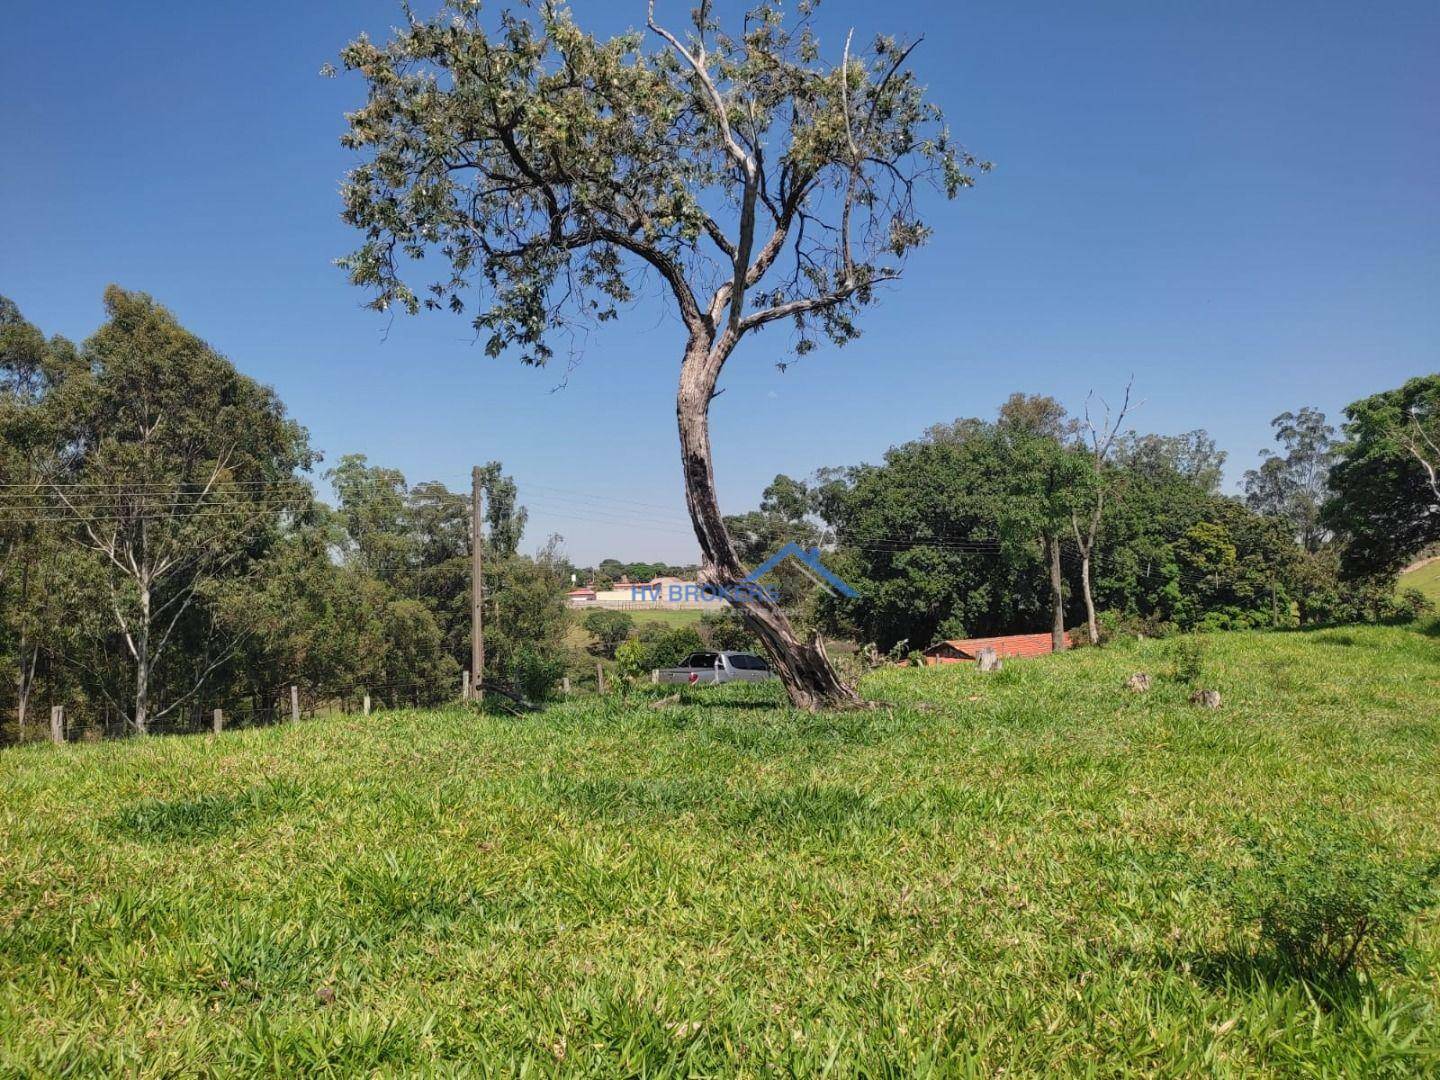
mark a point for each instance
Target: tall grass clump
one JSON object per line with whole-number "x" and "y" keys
{"x": 1325, "y": 899}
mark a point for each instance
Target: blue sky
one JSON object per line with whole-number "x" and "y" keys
{"x": 1235, "y": 202}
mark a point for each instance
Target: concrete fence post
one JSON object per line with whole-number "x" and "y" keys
{"x": 367, "y": 704}
{"x": 294, "y": 703}
{"x": 217, "y": 722}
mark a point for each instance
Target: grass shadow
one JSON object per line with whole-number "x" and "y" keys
{"x": 797, "y": 810}
{"x": 1252, "y": 971}
{"x": 204, "y": 816}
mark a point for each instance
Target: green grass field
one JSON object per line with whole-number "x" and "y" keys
{"x": 669, "y": 618}
{"x": 1426, "y": 579}
{"x": 986, "y": 874}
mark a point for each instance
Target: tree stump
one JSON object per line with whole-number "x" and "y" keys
{"x": 1139, "y": 683}
{"x": 987, "y": 659}
{"x": 1206, "y": 699}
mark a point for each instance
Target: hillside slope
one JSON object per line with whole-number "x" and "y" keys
{"x": 1425, "y": 578}
{"x": 988, "y": 873}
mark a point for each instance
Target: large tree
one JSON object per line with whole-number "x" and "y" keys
{"x": 547, "y": 168}
{"x": 1293, "y": 486}
{"x": 1385, "y": 497}
{"x": 174, "y": 471}
{"x": 31, "y": 557}
{"x": 919, "y": 539}
{"x": 1050, "y": 479}
{"x": 1085, "y": 521}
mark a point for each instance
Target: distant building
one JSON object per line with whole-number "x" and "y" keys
{"x": 964, "y": 650}
{"x": 658, "y": 594}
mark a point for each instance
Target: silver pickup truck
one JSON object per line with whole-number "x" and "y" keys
{"x": 706, "y": 668}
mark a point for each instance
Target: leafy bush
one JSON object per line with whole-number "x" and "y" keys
{"x": 1326, "y": 597}
{"x": 1327, "y": 900}
{"x": 534, "y": 671}
{"x": 632, "y": 660}
{"x": 725, "y": 630}
{"x": 609, "y": 629}
{"x": 1412, "y": 605}
{"x": 1123, "y": 624}
{"x": 667, "y": 645}
{"x": 654, "y": 646}
{"x": 1187, "y": 659}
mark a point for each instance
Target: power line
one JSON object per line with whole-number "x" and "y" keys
{"x": 115, "y": 518}
{"x": 148, "y": 485}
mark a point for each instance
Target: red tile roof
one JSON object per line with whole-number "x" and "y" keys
{"x": 1009, "y": 645}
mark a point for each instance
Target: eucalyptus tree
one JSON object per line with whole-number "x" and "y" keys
{"x": 504, "y": 516}
{"x": 175, "y": 471}
{"x": 31, "y": 559}
{"x": 1294, "y": 486}
{"x": 372, "y": 509}
{"x": 550, "y": 170}
{"x": 1085, "y": 521}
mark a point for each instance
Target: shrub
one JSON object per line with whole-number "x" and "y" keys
{"x": 851, "y": 666}
{"x": 655, "y": 645}
{"x": 534, "y": 671}
{"x": 1326, "y": 900}
{"x": 1412, "y": 605}
{"x": 726, "y": 631}
{"x": 1187, "y": 659}
{"x": 609, "y": 628}
{"x": 666, "y": 646}
{"x": 1327, "y": 598}
{"x": 632, "y": 660}
{"x": 1120, "y": 624}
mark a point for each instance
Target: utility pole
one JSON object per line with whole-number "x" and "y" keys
{"x": 477, "y": 585}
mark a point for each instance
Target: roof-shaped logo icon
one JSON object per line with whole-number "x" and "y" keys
{"x": 810, "y": 558}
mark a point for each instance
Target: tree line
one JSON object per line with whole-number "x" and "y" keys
{"x": 1042, "y": 520}
{"x": 162, "y": 551}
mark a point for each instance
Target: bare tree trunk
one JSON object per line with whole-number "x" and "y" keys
{"x": 1057, "y": 595}
{"x": 26, "y": 682}
{"x": 142, "y": 665}
{"x": 803, "y": 667}
{"x": 1085, "y": 588}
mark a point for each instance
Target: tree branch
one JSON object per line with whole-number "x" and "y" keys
{"x": 697, "y": 65}
{"x": 808, "y": 304}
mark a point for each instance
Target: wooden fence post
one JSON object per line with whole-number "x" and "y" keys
{"x": 217, "y": 724}
{"x": 600, "y": 676}
{"x": 57, "y": 723}
{"x": 367, "y": 704}
{"x": 294, "y": 703}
